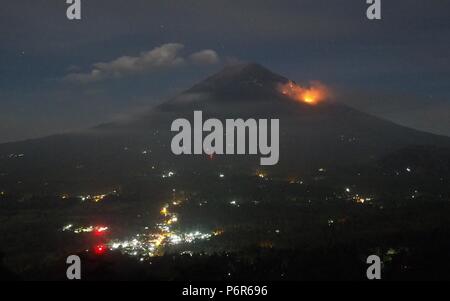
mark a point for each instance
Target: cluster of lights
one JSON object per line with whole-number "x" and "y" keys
{"x": 165, "y": 211}
{"x": 234, "y": 203}
{"x": 191, "y": 237}
{"x": 147, "y": 244}
{"x": 98, "y": 198}
{"x": 16, "y": 156}
{"x": 146, "y": 152}
{"x": 358, "y": 198}
{"x": 172, "y": 220}
{"x": 295, "y": 181}
{"x": 83, "y": 230}
{"x": 84, "y": 198}
{"x": 415, "y": 194}
{"x": 98, "y": 230}
{"x": 94, "y": 198}
{"x": 361, "y": 200}
{"x": 168, "y": 174}
{"x": 152, "y": 244}
{"x": 134, "y": 247}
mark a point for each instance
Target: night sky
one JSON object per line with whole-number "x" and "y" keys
{"x": 123, "y": 57}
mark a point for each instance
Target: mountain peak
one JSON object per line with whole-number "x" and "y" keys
{"x": 241, "y": 69}
{"x": 240, "y": 80}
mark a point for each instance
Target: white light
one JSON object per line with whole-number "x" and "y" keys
{"x": 175, "y": 239}
{"x": 67, "y": 227}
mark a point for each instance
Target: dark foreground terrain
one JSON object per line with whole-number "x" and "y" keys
{"x": 239, "y": 227}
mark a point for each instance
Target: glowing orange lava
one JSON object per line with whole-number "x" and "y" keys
{"x": 314, "y": 94}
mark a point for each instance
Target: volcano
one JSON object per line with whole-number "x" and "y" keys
{"x": 326, "y": 135}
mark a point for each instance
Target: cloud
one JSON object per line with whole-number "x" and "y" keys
{"x": 205, "y": 57}
{"x": 164, "y": 57}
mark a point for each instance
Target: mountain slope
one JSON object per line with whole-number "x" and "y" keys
{"x": 327, "y": 135}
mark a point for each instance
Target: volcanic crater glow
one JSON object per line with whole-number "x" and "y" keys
{"x": 312, "y": 95}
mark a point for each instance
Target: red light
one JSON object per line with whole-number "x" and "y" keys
{"x": 100, "y": 249}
